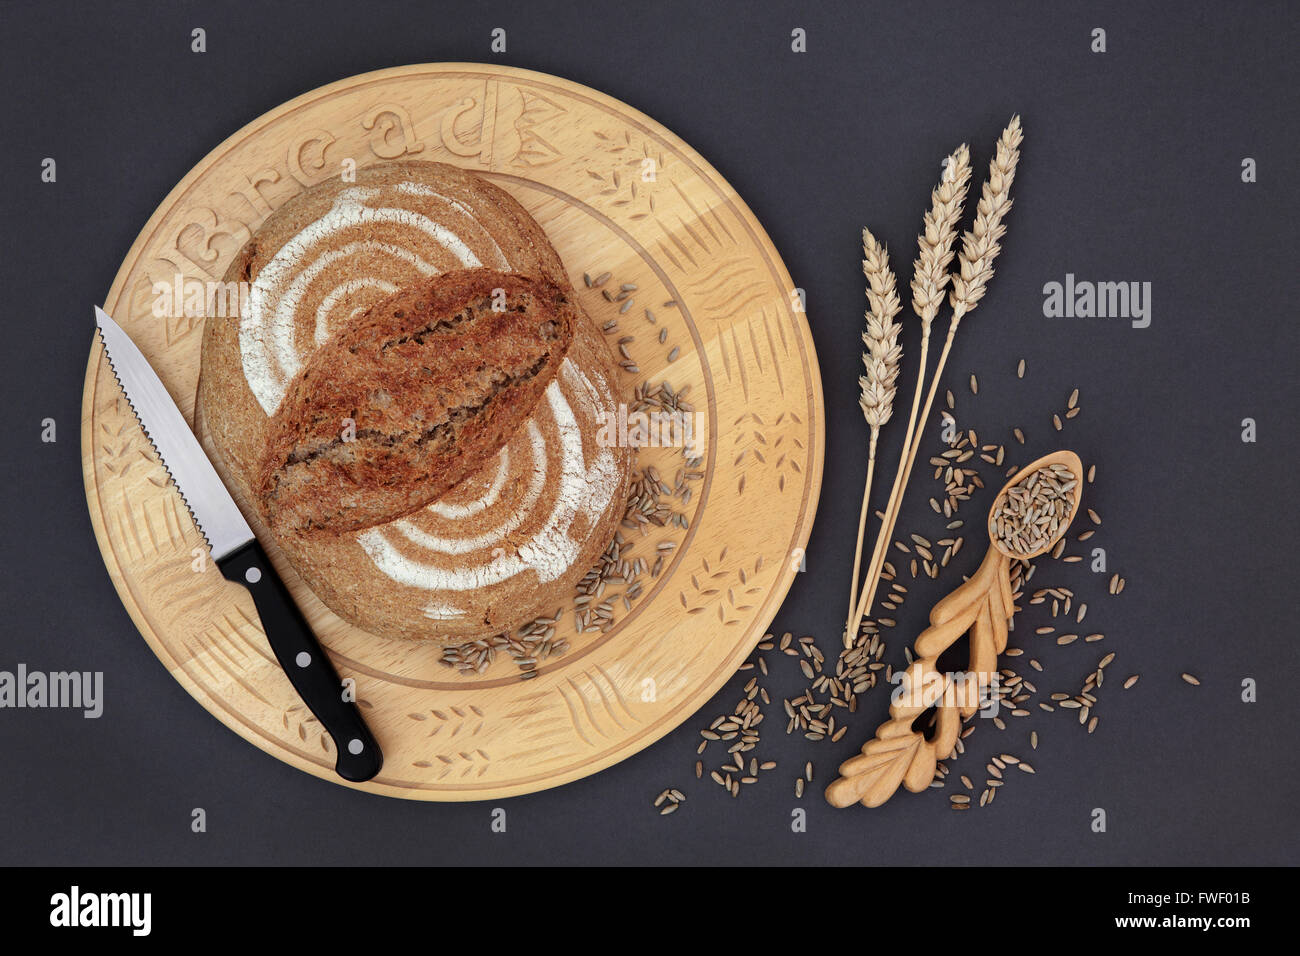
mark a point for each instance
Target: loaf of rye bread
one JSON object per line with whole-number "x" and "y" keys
{"x": 508, "y": 541}
{"x": 410, "y": 397}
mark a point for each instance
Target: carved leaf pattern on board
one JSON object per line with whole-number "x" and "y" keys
{"x": 448, "y": 724}
{"x": 622, "y": 183}
{"x": 454, "y": 720}
{"x": 459, "y": 762}
{"x": 734, "y": 591}
{"x": 782, "y": 456}
{"x": 122, "y": 445}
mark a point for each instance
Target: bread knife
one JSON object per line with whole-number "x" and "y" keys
{"x": 237, "y": 554}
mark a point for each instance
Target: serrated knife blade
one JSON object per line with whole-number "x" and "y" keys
{"x": 240, "y": 558}
{"x": 211, "y": 505}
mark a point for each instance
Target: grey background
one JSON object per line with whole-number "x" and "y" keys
{"x": 1131, "y": 171}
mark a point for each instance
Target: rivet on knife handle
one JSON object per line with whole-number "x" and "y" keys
{"x": 305, "y": 662}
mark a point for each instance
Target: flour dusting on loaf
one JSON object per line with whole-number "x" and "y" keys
{"x": 578, "y": 489}
{"x": 270, "y": 353}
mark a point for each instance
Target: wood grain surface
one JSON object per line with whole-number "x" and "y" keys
{"x": 616, "y": 192}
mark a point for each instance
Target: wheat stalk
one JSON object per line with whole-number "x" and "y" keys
{"x": 880, "y": 359}
{"x": 981, "y": 245}
{"x": 929, "y": 282}
{"x": 882, "y": 352}
{"x": 979, "y": 248}
{"x": 930, "y": 270}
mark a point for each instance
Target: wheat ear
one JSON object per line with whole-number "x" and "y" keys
{"x": 930, "y": 270}
{"x": 880, "y": 359}
{"x": 979, "y": 248}
{"x": 929, "y": 283}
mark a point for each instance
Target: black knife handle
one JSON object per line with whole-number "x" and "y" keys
{"x": 305, "y": 661}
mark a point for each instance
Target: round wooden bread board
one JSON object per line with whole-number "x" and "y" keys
{"x": 616, "y": 192}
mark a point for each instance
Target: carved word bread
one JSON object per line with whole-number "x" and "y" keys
{"x": 451, "y": 542}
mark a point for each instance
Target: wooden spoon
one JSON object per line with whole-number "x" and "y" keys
{"x": 903, "y": 754}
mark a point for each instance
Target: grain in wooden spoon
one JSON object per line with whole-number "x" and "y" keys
{"x": 880, "y": 359}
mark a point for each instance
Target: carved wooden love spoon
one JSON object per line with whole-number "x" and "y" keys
{"x": 902, "y": 752}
